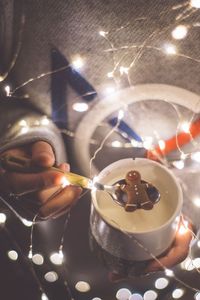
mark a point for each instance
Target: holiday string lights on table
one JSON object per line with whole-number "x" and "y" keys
{"x": 190, "y": 130}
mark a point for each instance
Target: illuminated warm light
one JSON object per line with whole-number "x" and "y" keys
{"x": 196, "y": 201}
{"x": 179, "y": 164}
{"x": 197, "y": 296}
{"x": 82, "y": 286}
{"x": 110, "y": 74}
{"x": 110, "y": 90}
{"x": 27, "y": 223}
{"x": 134, "y": 297}
{"x": 44, "y": 297}
{"x": 183, "y": 229}
{"x": 185, "y": 126}
{"x": 123, "y": 294}
{"x": 64, "y": 182}
{"x": 183, "y": 156}
{"x": 103, "y": 33}
{"x": 161, "y": 283}
{"x": 120, "y": 114}
{"x": 1, "y": 78}
{"x": 96, "y": 298}
{"x": 77, "y": 62}
{"x": 177, "y": 293}
{"x": 7, "y": 90}
{"x": 80, "y": 106}
{"x": 196, "y": 262}
{"x": 51, "y": 276}
{"x": 170, "y": 49}
{"x": 44, "y": 121}
{"x": 187, "y": 264}
{"x": 161, "y": 144}
{"x": 30, "y": 254}
{"x": 150, "y": 295}
{"x": 169, "y": 273}
{"x": 123, "y": 70}
{"x": 38, "y": 259}
{"x": 56, "y": 258}
{"x": 195, "y": 3}
{"x": 13, "y": 255}
{"x": 24, "y": 130}
{"x": 198, "y": 244}
{"x": 196, "y": 156}
{"x": 2, "y": 218}
{"x": 116, "y": 144}
{"x": 180, "y": 32}
{"x": 22, "y": 123}
{"x": 147, "y": 142}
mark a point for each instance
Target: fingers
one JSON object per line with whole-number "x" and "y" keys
{"x": 22, "y": 183}
{"x": 42, "y": 154}
{"x": 174, "y": 256}
{"x": 62, "y": 201}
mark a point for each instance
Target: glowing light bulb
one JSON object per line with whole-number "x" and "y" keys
{"x": 177, "y": 293}
{"x": 30, "y": 254}
{"x": 64, "y": 182}
{"x": 13, "y": 255}
{"x": 82, "y": 286}
{"x": 179, "y": 164}
{"x": 51, "y": 276}
{"x": 161, "y": 144}
{"x": 195, "y": 3}
{"x": 120, "y": 114}
{"x": 103, "y": 33}
{"x": 1, "y": 78}
{"x": 24, "y": 130}
{"x": 147, "y": 142}
{"x": 7, "y": 90}
{"x": 123, "y": 294}
{"x": 197, "y": 296}
{"x": 2, "y": 218}
{"x": 196, "y": 262}
{"x": 179, "y": 32}
{"x": 57, "y": 258}
{"x": 116, "y": 144}
{"x": 170, "y": 49}
{"x": 196, "y": 156}
{"x": 150, "y": 295}
{"x": 161, "y": 283}
{"x": 123, "y": 70}
{"x": 183, "y": 229}
{"x": 38, "y": 259}
{"x": 134, "y": 297}
{"x": 185, "y": 126}
{"x": 44, "y": 297}
{"x": 44, "y": 121}
{"x": 196, "y": 201}
{"x": 22, "y": 123}
{"x": 110, "y": 90}
{"x": 169, "y": 273}
{"x": 187, "y": 264}
{"x": 110, "y": 74}
{"x": 77, "y": 62}
{"x": 27, "y": 223}
{"x": 80, "y": 106}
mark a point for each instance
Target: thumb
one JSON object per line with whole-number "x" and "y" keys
{"x": 42, "y": 154}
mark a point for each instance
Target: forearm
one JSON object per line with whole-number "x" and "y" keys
{"x": 21, "y": 124}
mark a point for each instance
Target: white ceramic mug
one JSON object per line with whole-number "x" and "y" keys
{"x": 140, "y": 234}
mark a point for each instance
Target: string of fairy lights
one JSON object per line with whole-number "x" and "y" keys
{"x": 180, "y": 32}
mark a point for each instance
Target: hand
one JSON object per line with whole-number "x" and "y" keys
{"x": 178, "y": 251}
{"x": 175, "y": 255}
{"x": 39, "y": 193}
